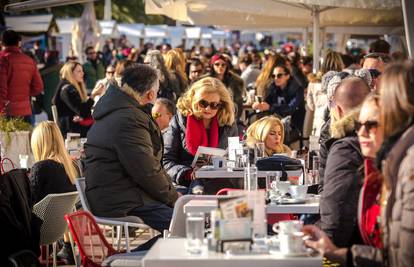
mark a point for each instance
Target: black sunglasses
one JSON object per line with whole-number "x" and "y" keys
{"x": 374, "y": 73}
{"x": 213, "y": 105}
{"x": 278, "y": 76}
{"x": 220, "y": 65}
{"x": 369, "y": 125}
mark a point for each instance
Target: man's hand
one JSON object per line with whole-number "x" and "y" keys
{"x": 319, "y": 240}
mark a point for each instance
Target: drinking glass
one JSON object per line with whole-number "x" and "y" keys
{"x": 250, "y": 178}
{"x": 259, "y": 151}
{"x": 195, "y": 233}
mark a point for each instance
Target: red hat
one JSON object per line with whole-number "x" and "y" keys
{"x": 218, "y": 57}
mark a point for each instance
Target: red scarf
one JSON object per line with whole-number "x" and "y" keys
{"x": 196, "y": 134}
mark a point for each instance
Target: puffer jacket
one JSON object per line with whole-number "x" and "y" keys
{"x": 123, "y": 167}
{"x": 397, "y": 214}
{"x": 19, "y": 79}
{"x": 177, "y": 159}
{"x": 317, "y": 100}
{"x": 342, "y": 184}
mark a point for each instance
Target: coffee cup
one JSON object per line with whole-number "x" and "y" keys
{"x": 298, "y": 191}
{"x": 291, "y": 243}
{"x": 287, "y": 226}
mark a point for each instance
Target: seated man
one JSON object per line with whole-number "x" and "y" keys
{"x": 162, "y": 112}
{"x": 343, "y": 176}
{"x": 123, "y": 170}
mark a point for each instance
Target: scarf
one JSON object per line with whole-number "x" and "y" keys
{"x": 196, "y": 134}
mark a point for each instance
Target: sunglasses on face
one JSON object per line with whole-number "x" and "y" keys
{"x": 213, "y": 105}
{"x": 374, "y": 73}
{"x": 369, "y": 125}
{"x": 156, "y": 115}
{"x": 220, "y": 65}
{"x": 278, "y": 76}
{"x": 110, "y": 72}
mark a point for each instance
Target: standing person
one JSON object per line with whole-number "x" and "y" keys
{"x": 51, "y": 79}
{"x": 19, "y": 78}
{"x": 123, "y": 171}
{"x": 205, "y": 117}
{"x": 93, "y": 68}
{"x": 162, "y": 112}
{"x": 250, "y": 70}
{"x": 72, "y": 102}
{"x": 220, "y": 69}
{"x": 53, "y": 172}
{"x": 396, "y": 159}
{"x": 343, "y": 179}
{"x": 174, "y": 65}
{"x": 196, "y": 69}
{"x": 154, "y": 59}
{"x": 284, "y": 98}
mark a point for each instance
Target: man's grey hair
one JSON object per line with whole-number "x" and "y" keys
{"x": 169, "y": 105}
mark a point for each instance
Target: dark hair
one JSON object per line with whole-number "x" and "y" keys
{"x": 305, "y": 60}
{"x": 169, "y": 105}
{"x": 286, "y": 69}
{"x": 89, "y": 48}
{"x": 380, "y": 46}
{"x": 10, "y": 38}
{"x": 140, "y": 77}
{"x": 196, "y": 62}
{"x": 246, "y": 59}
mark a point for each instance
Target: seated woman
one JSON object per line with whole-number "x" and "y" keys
{"x": 54, "y": 171}
{"x": 72, "y": 102}
{"x": 205, "y": 117}
{"x": 271, "y": 132}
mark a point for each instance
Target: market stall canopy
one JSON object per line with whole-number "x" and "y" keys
{"x": 109, "y": 28}
{"x": 29, "y": 24}
{"x": 37, "y": 4}
{"x": 247, "y": 14}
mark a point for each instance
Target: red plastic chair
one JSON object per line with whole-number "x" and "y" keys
{"x": 92, "y": 245}
{"x": 271, "y": 218}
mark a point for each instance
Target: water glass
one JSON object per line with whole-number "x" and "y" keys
{"x": 23, "y": 160}
{"x": 259, "y": 151}
{"x": 250, "y": 178}
{"x": 195, "y": 233}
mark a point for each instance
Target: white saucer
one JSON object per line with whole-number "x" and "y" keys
{"x": 292, "y": 201}
{"x": 297, "y": 254}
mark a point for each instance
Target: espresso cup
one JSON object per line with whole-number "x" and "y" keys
{"x": 298, "y": 191}
{"x": 287, "y": 227}
{"x": 291, "y": 243}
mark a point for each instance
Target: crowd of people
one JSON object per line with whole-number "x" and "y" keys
{"x": 145, "y": 113}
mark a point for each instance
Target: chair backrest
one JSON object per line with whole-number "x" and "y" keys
{"x": 177, "y": 225}
{"x": 91, "y": 243}
{"x": 52, "y": 209}
{"x": 80, "y": 186}
{"x": 55, "y": 114}
{"x": 225, "y": 191}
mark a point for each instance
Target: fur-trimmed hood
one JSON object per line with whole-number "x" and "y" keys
{"x": 346, "y": 125}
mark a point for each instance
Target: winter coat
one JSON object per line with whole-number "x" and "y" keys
{"x": 177, "y": 159}
{"x": 19, "y": 79}
{"x": 289, "y": 101}
{"x": 397, "y": 215}
{"x": 124, "y": 150}
{"x": 317, "y": 100}
{"x": 93, "y": 73}
{"x": 49, "y": 177}
{"x": 342, "y": 183}
{"x": 178, "y": 84}
{"x": 51, "y": 79}
{"x": 325, "y": 142}
{"x": 69, "y": 104}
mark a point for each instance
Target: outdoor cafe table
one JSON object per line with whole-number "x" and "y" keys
{"x": 171, "y": 252}
{"x": 205, "y": 206}
{"x": 224, "y": 173}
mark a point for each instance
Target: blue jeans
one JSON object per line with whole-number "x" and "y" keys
{"x": 157, "y": 216}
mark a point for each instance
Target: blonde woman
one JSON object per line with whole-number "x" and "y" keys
{"x": 72, "y": 101}
{"x": 174, "y": 63}
{"x": 205, "y": 117}
{"x": 53, "y": 172}
{"x": 271, "y": 132}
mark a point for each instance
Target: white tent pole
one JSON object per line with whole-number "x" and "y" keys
{"x": 305, "y": 40}
{"x": 108, "y": 10}
{"x": 408, "y": 8}
{"x": 316, "y": 46}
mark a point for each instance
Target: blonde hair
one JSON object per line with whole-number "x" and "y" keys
{"x": 263, "y": 80}
{"x": 67, "y": 73}
{"x": 47, "y": 143}
{"x": 397, "y": 97}
{"x": 175, "y": 61}
{"x": 332, "y": 61}
{"x": 208, "y": 85}
{"x": 260, "y": 129}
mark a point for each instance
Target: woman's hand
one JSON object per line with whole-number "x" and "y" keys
{"x": 319, "y": 240}
{"x": 98, "y": 90}
{"x": 256, "y": 105}
{"x": 263, "y": 106}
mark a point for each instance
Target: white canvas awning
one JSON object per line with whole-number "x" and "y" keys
{"x": 35, "y": 23}
{"x": 65, "y": 25}
{"x": 109, "y": 28}
{"x": 134, "y": 29}
{"x": 160, "y": 31}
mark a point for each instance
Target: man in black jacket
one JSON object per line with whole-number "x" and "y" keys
{"x": 124, "y": 175}
{"x": 343, "y": 180}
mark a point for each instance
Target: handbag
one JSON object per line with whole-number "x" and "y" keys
{"x": 279, "y": 163}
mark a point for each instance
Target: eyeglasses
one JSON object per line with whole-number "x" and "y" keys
{"x": 213, "y": 105}
{"x": 197, "y": 71}
{"x": 220, "y": 65}
{"x": 156, "y": 115}
{"x": 369, "y": 125}
{"x": 91, "y": 53}
{"x": 374, "y": 73}
{"x": 278, "y": 76}
{"x": 110, "y": 72}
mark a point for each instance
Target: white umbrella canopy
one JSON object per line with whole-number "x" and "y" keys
{"x": 265, "y": 14}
